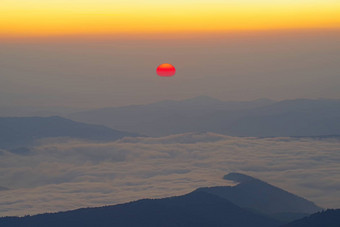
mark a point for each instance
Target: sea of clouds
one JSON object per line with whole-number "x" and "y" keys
{"x": 61, "y": 174}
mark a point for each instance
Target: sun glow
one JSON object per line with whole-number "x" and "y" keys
{"x": 52, "y": 17}
{"x": 166, "y": 70}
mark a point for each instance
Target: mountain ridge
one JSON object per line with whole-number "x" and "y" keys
{"x": 196, "y": 209}
{"x": 326, "y": 218}
{"x": 259, "y": 196}
{"x": 258, "y": 118}
{"x": 16, "y": 132}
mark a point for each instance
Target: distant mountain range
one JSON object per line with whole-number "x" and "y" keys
{"x": 232, "y": 206}
{"x": 22, "y": 131}
{"x": 3, "y": 188}
{"x": 259, "y": 118}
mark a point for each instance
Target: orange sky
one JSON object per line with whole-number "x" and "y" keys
{"x": 22, "y": 18}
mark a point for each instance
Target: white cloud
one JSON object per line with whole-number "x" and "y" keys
{"x": 62, "y": 175}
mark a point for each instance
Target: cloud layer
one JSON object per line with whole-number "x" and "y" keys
{"x": 61, "y": 175}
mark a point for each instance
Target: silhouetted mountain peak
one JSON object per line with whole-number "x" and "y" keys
{"x": 238, "y": 177}
{"x": 258, "y": 195}
{"x": 250, "y": 203}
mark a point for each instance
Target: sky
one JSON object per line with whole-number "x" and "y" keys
{"x": 61, "y": 17}
{"x": 97, "y": 174}
{"x": 91, "y": 54}
{"x": 93, "y": 73}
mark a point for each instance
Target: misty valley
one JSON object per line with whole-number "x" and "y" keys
{"x": 162, "y": 164}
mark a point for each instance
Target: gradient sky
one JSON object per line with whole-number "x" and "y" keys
{"x": 88, "y": 54}
{"x": 109, "y": 72}
{"x": 60, "y": 17}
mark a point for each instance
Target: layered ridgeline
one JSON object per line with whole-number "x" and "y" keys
{"x": 328, "y": 218}
{"x": 22, "y": 131}
{"x": 262, "y": 197}
{"x": 203, "y": 207}
{"x": 197, "y": 209}
{"x": 3, "y": 188}
{"x": 260, "y": 118}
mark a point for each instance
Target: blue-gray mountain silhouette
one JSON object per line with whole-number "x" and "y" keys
{"x": 251, "y": 203}
{"x": 262, "y": 197}
{"x": 328, "y": 218}
{"x": 196, "y": 209}
{"x": 20, "y": 131}
{"x": 3, "y": 188}
{"x": 260, "y": 118}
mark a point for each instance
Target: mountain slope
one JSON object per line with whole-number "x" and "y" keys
{"x": 300, "y": 117}
{"x": 3, "y": 188}
{"x": 328, "y": 218}
{"x": 260, "y": 118}
{"x": 163, "y": 118}
{"x": 196, "y": 209}
{"x": 257, "y": 195}
{"x": 20, "y": 131}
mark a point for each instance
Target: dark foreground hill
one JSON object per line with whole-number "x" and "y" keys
{"x": 262, "y": 197}
{"x": 260, "y": 118}
{"x": 21, "y": 131}
{"x": 328, "y": 218}
{"x": 196, "y": 209}
{"x": 251, "y": 203}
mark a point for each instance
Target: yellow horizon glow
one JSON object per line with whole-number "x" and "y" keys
{"x": 60, "y": 17}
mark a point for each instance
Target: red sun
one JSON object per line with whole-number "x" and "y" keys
{"x": 166, "y": 70}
